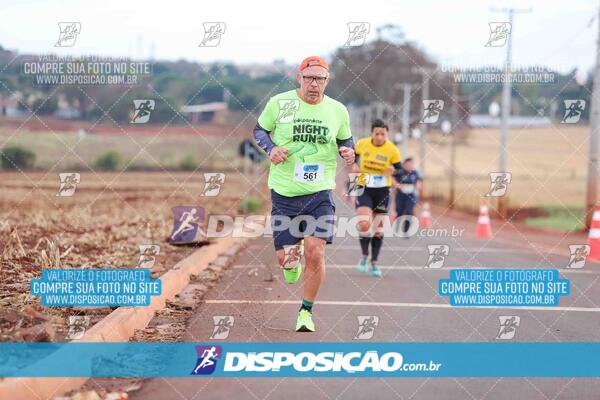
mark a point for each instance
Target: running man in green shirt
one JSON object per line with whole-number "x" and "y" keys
{"x": 302, "y": 131}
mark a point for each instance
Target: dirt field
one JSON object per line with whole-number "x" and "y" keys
{"x": 100, "y": 226}
{"x": 548, "y": 166}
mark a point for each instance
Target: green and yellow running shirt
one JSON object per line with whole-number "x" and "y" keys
{"x": 309, "y": 132}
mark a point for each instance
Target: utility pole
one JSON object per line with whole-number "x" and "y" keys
{"x": 425, "y": 73}
{"x": 405, "y": 118}
{"x": 592, "y": 178}
{"x": 367, "y": 121}
{"x": 454, "y": 133}
{"x": 506, "y": 90}
{"x": 424, "y": 127}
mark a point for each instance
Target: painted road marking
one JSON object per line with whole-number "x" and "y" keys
{"x": 422, "y": 268}
{"x": 454, "y": 249}
{"x": 406, "y": 305}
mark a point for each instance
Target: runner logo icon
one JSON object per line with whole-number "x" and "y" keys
{"x": 142, "y": 111}
{"x": 68, "y": 183}
{"x": 437, "y": 255}
{"x": 366, "y": 326}
{"x": 357, "y": 33}
{"x": 498, "y": 184}
{"x": 212, "y": 34}
{"x": 68, "y": 34}
{"x": 287, "y": 111}
{"x": 499, "y": 32}
{"x": 431, "y": 111}
{"x": 579, "y": 252}
{"x": 207, "y": 359}
{"x": 573, "y": 111}
{"x": 508, "y": 326}
{"x": 223, "y": 324}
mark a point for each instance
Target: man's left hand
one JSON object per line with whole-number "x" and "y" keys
{"x": 347, "y": 154}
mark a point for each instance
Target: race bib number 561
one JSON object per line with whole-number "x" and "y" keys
{"x": 308, "y": 173}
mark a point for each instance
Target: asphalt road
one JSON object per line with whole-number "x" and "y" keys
{"x": 406, "y": 302}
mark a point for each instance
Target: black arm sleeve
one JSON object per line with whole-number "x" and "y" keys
{"x": 345, "y": 142}
{"x": 263, "y": 139}
{"x": 398, "y": 167}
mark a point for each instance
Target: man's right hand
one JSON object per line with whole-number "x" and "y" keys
{"x": 278, "y": 155}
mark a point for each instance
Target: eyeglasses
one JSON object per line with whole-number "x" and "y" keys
{"x": 319, "y": 79}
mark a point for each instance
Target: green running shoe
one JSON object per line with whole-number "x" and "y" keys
{"x": 304, "y": 323}
{"x": 292, "y": 275}
{"x": 375, "y": 270}
{"x": 362, "y": 265}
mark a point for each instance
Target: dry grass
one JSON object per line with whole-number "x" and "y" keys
{"x": 548, "y": 165}
{"x": 66, "y": 150}
{"x": 101, "y": 226}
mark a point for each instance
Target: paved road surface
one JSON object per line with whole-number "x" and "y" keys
{"x": 409, "y": 309}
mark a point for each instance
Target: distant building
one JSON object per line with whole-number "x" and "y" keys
{"x": 66, "y": 110}
{"x": 216, "y": 112}
{"x": 9, "y": 106}
{"x": 259, "y": 70}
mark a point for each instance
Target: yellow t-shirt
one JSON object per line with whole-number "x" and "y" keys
{"x": 376, "y": 160}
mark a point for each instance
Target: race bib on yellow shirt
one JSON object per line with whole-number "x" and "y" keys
{"x": 377, "y": 181}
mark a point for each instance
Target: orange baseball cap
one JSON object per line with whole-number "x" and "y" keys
{"x": 314, "y": 61}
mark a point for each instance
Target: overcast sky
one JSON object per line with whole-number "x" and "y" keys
{"x": 554, "y": 33}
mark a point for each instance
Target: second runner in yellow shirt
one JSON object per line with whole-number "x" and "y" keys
{"x": 377, "y": 160}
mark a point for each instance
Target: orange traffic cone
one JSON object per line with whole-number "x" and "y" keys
{"x": 594, "y": 235}
{"x": 425, "y": 219}
{"x": 484, "y": 229}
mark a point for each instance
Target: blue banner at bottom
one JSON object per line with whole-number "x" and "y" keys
{"x": 305, "y": 359}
